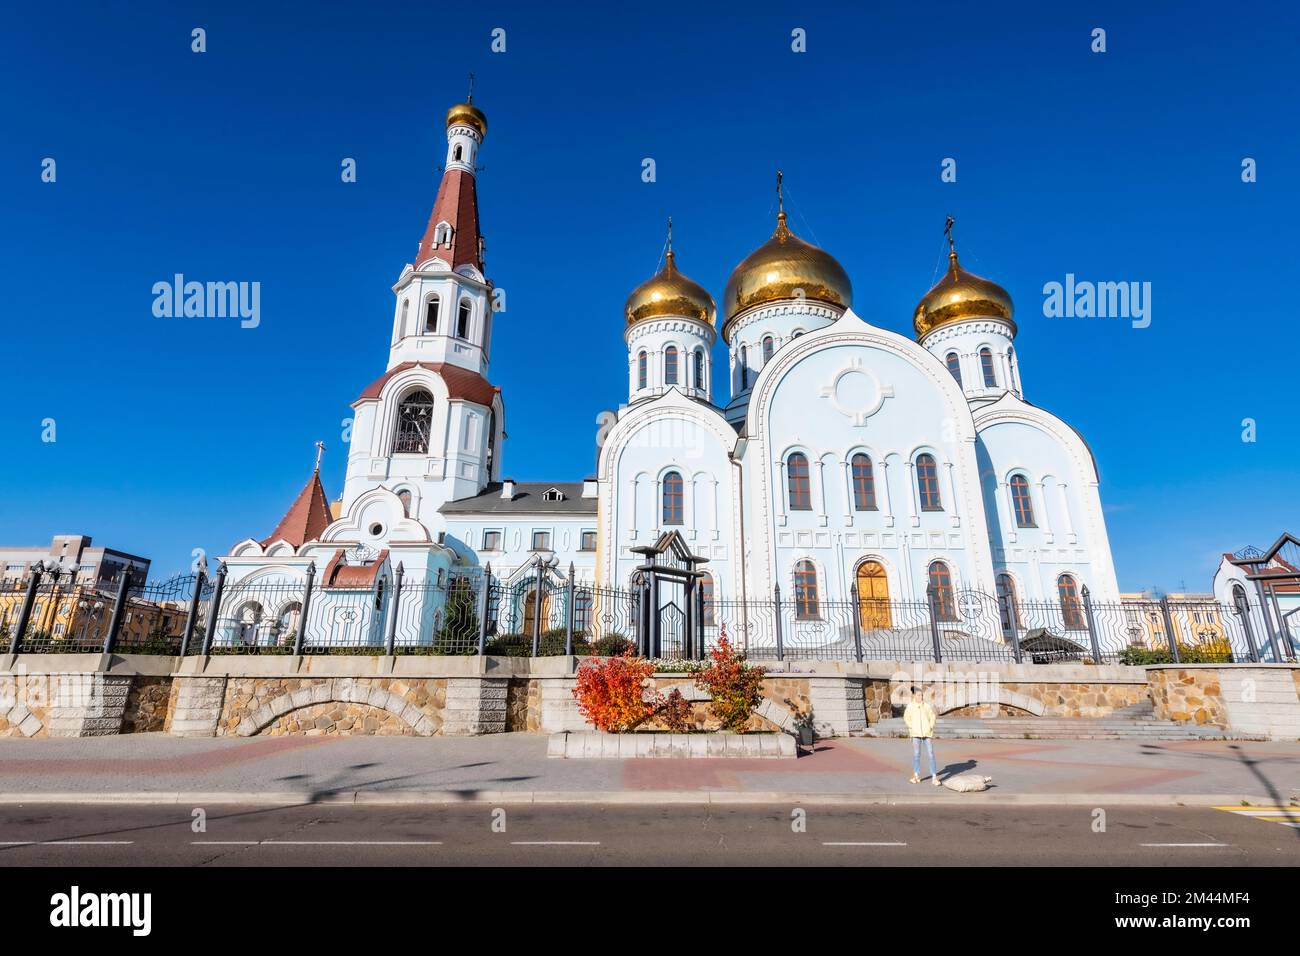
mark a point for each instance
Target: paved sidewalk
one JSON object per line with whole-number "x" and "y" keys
{"x": 514, "y": 767}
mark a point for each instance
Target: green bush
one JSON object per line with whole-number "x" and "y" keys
{"x": 551, "y": 644}
{"x": 1210, "y": 652}
{"x": 612, "y": 645}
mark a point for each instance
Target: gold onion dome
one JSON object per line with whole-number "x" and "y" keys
{"x": 785, "y": 267}
{"x": 669, "y": 293}
{"x": 467, "y": 114}
{"x": 961, "y": 295}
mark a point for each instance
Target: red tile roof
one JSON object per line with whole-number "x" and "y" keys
{"x": 457, "y": 204}
{"x": 342, "y": 576}
{"x": 461, "y": 383}
{"x": 307, "y": 517}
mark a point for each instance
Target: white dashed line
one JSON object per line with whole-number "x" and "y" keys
{"x": 1185, "y": 844}
{"x": 316, "y": 843}
{"x": 847, "y": 843}
{"x": 555, "y": 843}
{"x": 66, "y": 842}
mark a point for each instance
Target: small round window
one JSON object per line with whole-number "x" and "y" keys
{"x": 376, "y": 530}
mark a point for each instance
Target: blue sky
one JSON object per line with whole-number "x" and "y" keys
{"x": 174, "y": 434}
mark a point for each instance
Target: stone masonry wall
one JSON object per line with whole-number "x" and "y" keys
{"x": 255, "y": 705}
{"x": 1011, "y": 698}
{"x": 1191, "y": 695}
{"x": 148, "y": 705}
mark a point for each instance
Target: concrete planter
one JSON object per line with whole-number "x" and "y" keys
{"x": 596, "y": 745}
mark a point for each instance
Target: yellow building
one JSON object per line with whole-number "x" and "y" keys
{"x": 1196, "y": 618}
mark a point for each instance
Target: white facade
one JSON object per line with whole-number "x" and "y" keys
{"x": 842, "y": 443}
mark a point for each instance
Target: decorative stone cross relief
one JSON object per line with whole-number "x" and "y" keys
{"x": 856, "y": 392}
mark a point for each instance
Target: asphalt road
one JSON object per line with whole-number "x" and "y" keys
{"x": 91, "y": 835}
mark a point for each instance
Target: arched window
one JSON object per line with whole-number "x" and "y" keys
{"x": 414, "y": 421}
{"x": 706, "y": 599}
{"x": 404, "y": 496}
{"x": 864, "y": 483}
{"x": 940, "y": 585}
{"x": 796, "y": 472}
{"x": 796, "y": 333}
{"x": 462, "y": 319}
{"x": 700, "y": 383}
{"x": 744, "y": 368}
{"x": 1067, "y": 589}
{"x": 1011, "y": 367}
{"x": 581, "y": 610}
{"x": 953, "y": 361}
{"x": 986, "y": 364}
{"x": 768, "y": 348}
{"x": 458, "y": 153}
{"x": 641, "y": 365}
{"x": 442, "y": 234}
{"x": 1021, "y": 502}
{"x": 807, "y": 603}
{"x": 673, "y": 494}
{"x": 431, "y": 315}
{"x": 1007, "y": 605}
{"x": 406, "y": 311}
{"x": 670, "y": 365}
{"x": 873, "y": 596}
{"x": 927, "y": 483}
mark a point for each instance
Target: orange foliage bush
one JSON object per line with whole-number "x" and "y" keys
{"x": 611, "y": 692}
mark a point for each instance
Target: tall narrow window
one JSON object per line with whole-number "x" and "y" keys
{"x": 744, "y": 368}
{"x": 581, "y": 610}
{"x": 406, "y": 311}
{"x": 940, "y": 585}
{"x": 641, "y": 365}
{"x": 404, "y": 496}
{"x": 953, "y": 361}
{"x": 1007, "y": 602}
{"x": 673, "y": 494}
{"x": 431, "y": 315}
{"x": 807, "y": 602}
{"x": 706, "y": 599}
{"x": 462, "y": 319}
{"x": 927, "y": 483}
{"x": 864, "y": 483}
{"x": 986, "y": 364}
{"x": 1067, "y": 589}
{"x": 768, "y": 348}
{"x": 670, "y": 365}
{"x": 1020, "y": 500}
{"x": 1011, "y": 368}
{"x": 796, "y": 473}
{"x": 414, "y": 420}
{"x": 700, "y": 383}
{"x": 459, "y": 153}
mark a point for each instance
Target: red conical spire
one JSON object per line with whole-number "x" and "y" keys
{"x": 308, "y": 516}
{"x": 457, "y": 202}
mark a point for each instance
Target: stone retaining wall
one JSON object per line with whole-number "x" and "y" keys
{"x": 84, "y": 695}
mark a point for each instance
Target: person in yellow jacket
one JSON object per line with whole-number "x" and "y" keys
{"x": 920, "y": 718}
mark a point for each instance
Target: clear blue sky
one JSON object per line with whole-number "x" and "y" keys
{"x": 182, "y": 433}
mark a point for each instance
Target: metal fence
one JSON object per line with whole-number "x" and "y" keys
{"x": 543, "y": 612}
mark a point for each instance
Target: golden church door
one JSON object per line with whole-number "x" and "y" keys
{"x": 530, "y": 610}
{"x": 873, "y": 596}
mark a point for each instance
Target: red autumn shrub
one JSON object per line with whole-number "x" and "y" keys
{"x": 736, "y": 686}
{"x": 611, "y": 692}
{"x": 676, "y": 713}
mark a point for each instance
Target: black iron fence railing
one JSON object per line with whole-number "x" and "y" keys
{"x": 543, "y": 612}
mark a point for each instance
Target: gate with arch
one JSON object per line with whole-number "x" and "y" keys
{"x": 671, "y": 599}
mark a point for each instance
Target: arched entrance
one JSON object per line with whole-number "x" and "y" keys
{"x": 873, "y": 596}
{"x": 530, "y": 610}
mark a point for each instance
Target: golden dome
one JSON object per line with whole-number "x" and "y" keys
{"x": 779, "y": 269}
{"x": 467, "y": 114}
{"x": 961, "y": 295}
{"x": 669, "y": 293}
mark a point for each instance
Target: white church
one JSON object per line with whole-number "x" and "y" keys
{"x": 830, "y": 454}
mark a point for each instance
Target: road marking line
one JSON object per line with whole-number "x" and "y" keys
{"x": 66, "y": 842}
{"x": 1282, "y": 816}
{"x": 1185, "y": 844}
{"x": 555, "y": 843}
{"x": 316, "y": 843}
{"x": 847, "y": 843}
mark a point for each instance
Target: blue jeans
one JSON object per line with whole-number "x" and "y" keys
{"x": 929, "y": 752}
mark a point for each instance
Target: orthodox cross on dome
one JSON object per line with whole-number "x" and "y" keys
{"x": 780, "y": 199}
{"x": 320, "y": 450}
{"x": 947, "y": 231}
{"x": 670, "y": 235}
{"x": 470, "y": 96}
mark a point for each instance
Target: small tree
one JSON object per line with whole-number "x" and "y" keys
{"x": 611, "y": 692}
{"x": 675, "y": 712}
{"x": 736, "y": 686}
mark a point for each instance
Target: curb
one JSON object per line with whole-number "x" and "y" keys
{"x": 636, "y": 798}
